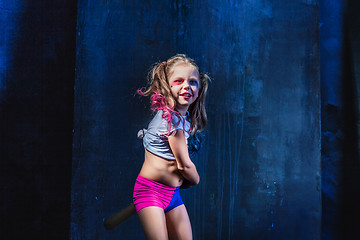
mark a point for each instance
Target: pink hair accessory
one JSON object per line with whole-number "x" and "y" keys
{"x": 163, "y": 63}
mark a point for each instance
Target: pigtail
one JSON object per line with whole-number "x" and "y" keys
{"x": 160, "y": 93}
{"x": 197, "y": 109}
{"x": 158, "y": 86}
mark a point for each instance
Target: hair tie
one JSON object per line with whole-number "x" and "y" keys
{"x": 163, "y": 63}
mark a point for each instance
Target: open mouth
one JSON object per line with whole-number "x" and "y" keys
{"x": 186, "y": 95}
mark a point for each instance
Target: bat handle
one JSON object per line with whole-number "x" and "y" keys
{"x": 119, "y": 217}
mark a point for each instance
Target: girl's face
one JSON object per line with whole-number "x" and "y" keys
{"x": 184, "y": 84}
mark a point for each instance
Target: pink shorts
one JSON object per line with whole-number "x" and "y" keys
{"x": 150, "y": 193}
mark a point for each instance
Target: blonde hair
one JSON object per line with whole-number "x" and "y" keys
{"x": 161, "y": 97}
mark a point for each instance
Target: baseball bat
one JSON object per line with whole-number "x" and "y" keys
{"x": 119, "y": 217}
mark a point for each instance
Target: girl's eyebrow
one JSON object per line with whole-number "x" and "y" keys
{"x": 181, "y": 78}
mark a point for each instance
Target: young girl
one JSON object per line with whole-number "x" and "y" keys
{"x": 177, "y": 91}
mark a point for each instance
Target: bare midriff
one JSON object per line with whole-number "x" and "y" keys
{"x": 161, "y": 170}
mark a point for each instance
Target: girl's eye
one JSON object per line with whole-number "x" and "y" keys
{"x": 193, "y": 82}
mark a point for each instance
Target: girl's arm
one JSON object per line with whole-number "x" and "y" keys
{"x": 186, "y": 167}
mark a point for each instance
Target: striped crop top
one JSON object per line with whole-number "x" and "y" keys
{"x": 155, "y": 137}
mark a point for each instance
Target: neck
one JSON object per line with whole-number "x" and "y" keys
{"x": 182, "y": 111}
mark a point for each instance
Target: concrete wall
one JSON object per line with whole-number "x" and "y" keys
{"x": 260, "y": 160}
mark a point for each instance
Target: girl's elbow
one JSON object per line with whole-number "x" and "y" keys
{"x": 197, "y": 180}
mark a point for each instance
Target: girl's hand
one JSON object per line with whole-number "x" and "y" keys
{"x": 185, "y": 166}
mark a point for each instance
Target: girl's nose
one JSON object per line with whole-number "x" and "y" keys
{"x": 186, "y": 85}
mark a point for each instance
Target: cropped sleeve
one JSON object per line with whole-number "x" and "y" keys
{"x": 181, "y": 123}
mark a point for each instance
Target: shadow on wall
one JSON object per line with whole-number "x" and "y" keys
{"x": 340, "y": 38}
{"x": 36, "y": 108}
{"x": 350, "y": 190}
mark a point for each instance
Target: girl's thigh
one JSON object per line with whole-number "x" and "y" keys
{"x": 153, "y": 223}
{"x": 178, "y": 223}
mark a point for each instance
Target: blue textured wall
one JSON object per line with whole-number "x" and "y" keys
{"x": 260, "y": 162}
